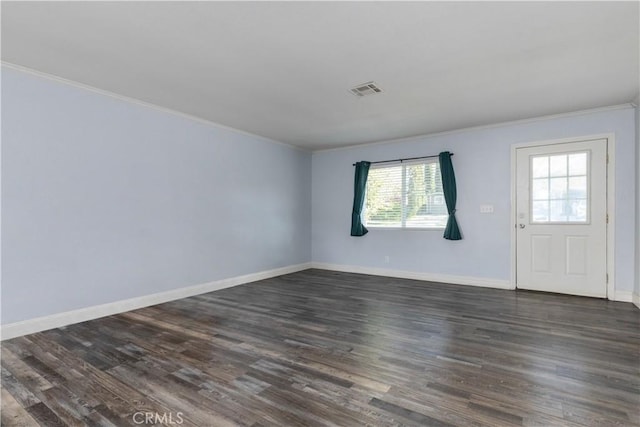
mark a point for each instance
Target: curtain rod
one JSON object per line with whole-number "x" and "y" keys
{"x": 402, "y": 160}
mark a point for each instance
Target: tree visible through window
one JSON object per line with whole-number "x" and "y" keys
{"x": 405, "y": 195}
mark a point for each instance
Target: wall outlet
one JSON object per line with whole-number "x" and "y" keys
{"x": 386, "y": 259}
{"x": 486, "y": 208}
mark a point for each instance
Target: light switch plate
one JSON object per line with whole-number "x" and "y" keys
{"x": 486, "y": 208}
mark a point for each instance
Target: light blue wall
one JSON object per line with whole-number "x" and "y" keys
{"x": 104, "y": 200}
{"x": 482, "y": 164}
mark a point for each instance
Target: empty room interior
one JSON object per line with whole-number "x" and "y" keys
{"x": 320, "y": 213}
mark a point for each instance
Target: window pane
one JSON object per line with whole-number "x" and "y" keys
{"x": 407, "y": 195}
{"x": 416, "y": 188}
{"x": 540, "y": 167}
{"x": 578, "y": 187}
{"x": 424, "y": 203}
{"x": 558, "y": 211}
{"x": 578, "y": 164}
{"x": 384, "y": 198}
{"x": 540, "y": 211}
{"x": 540, "y": 189}
{"x": 558, "y": 188}
{"x": 558, "y": 165}
{"x": 578, "y": 211}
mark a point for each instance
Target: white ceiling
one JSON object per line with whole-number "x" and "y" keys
{"x": 283, "y": 69}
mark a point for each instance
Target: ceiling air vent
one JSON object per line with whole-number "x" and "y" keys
{"x": 364, "y": 89}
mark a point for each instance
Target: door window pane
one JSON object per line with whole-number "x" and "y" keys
{"x": 558, "y": 211}
{"x": 559, "y": 188}
{"x": 578, "y": 164}
{"x": 558, "y": 165}
{"x": 540, "y": 211}
{"x": 578, "y": 212}
{"x": 540, "y": 167}
{"x": 578, "y": 187}
{"x": 540, "y": 189}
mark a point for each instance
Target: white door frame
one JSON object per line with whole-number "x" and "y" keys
{"x": 610, "y": 137}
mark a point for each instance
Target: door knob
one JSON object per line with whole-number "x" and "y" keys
{"x": 521, "y": 225}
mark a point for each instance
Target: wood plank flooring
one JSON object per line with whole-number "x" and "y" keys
{"x": 321, "y": 348}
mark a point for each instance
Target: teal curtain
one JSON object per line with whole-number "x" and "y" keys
{"x": 452, "y": 231}
{"x": 359, "y": 187}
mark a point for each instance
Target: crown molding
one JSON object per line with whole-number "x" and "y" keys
{"x": 483, "y": 127}
{"x": 141, "y": 103}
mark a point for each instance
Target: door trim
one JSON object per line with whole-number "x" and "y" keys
{"x": 610, "y": 230}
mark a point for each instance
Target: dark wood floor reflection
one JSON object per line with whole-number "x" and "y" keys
{"x": 320, "y": 348}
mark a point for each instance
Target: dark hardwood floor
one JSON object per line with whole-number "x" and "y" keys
{"x": 320, "y": 348}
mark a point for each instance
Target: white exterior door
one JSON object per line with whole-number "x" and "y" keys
{"x": 561, "y": 208}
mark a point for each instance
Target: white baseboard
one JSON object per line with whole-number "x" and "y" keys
{"x": 57, "y": 320}
{"x": 623, "y": 296}
{"x": 636, "y": 299}
{"x": 428, "y": 277}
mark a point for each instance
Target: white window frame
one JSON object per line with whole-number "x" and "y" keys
{"x": 588, "y": 194}
{"x": 403, "y": 226}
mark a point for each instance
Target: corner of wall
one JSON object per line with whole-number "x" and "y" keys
{"x": 636, "y": 287}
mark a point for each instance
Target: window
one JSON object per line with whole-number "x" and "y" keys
{"x": 559, "y": 188}
{"x": 405, "y": 195}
